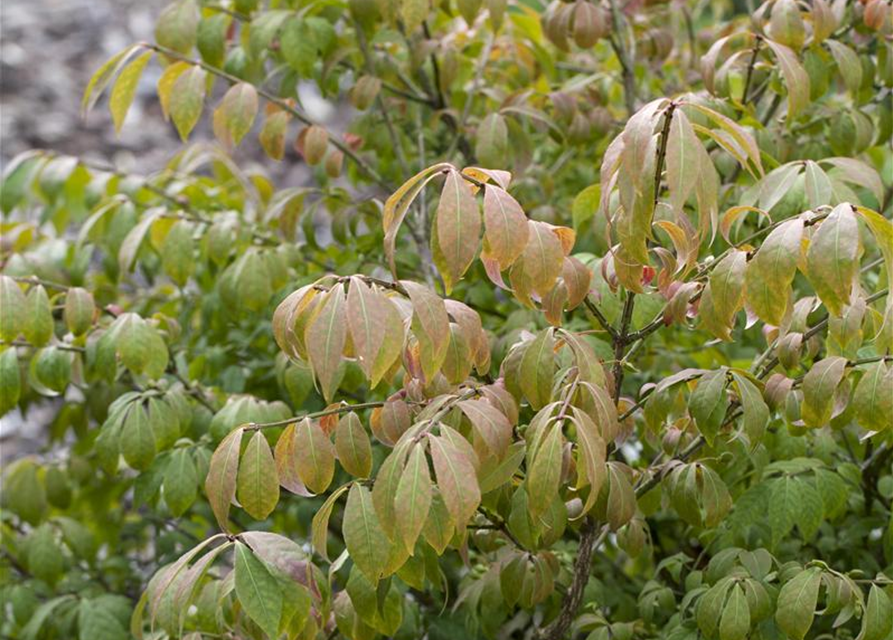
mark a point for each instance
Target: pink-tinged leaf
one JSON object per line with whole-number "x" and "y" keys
{"x": 770, "y": 273}
{"x": 470, "y": 323}
{"x": 272, "y": 134}
{"x": 258, "y": 483}
{"x": 819, "y": 389}
{"x": 431, "y": 326}
{"x": 795, "y": 78}
{"x": 398, "y": 204}
{"x": 458, "y": 229}
{"x": 314, "y": 455}
{"x": 456, "y": 478}
{"x": 367, "y": 318}
{"x": 832, "y": 261}
{"x": 505, "y": 226}
{"x": 324, "y": 337}
{"x": 489, "y": 424}
{"x": 536, "y": 270}
{"x": 220, "y": 484}
{"x": 287, "y": 464}
{"x": 234, "y": 117}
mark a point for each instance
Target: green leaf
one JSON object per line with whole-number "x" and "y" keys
{"x": 176, "y": 26}
{"x": 873, "y": 398}
{"x": 413, "y": 498}
{"x": 187, "y": 99}
{"x": 353, "y": 446}
{"x": 538, "y": 369}
{"x": 795, "y": 77}
{"x": 325, "y": 336}
{"x": 809, "y": 508}
{"x": 877, "y": 621}
{"x": 756, "y": 411}
{"x": 211, "y": 38}
{"x": 544, "y": 476}
{"x": 320, "y": 525}
{"x": 458, "y": 230}
{"x": 708, "y": 403}
{"x": 439, "y": 528}
{"x": 298, "y": 46}
{"x": 38, "y": 317}
{"x": 819, "y": 388}
{"x": 314, "y": 455}
{"x": 137, "y": 439}
{"x": 257, "y": 590}
{"x": 80, "y": 310}
{"x": 258, "y": 484}
{"x": 10, "y": 380}
{"x": 782, "y": 507}
{"x": 848, "y": 64}
{"x": 491, "y": 142}
{"x": 12, "y": 300}
{"x": 770, "y": 273}
{"x": 180, "y": 482}
{"x": 366, "y": 542}
{"x": 832, "y": 260}
{"x": 682, "y": 160}
{"x": 735, "y": 622}
{"x": 796, "y": 603}
{"x": 124, "y": 89}
{"x": 45, "y": 560}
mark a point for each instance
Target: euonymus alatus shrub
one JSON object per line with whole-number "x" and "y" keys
{"x": 579, "y": 326}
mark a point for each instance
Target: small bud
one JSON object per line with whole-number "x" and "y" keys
{"x": 590, "y": 24}
{"x": 79, "y": 310}
{"x": 364, "y": 92}
{"x": 312, "y": 143}
{"x": 334, "y": 162}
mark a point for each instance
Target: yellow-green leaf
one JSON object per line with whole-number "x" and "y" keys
{"x": 413, "y": 498}
{"x": 315, "y": 456}
{"x": 187, "y": 99}
{"x": 258, "y": 484}
{"x": 124, "y": 89}
{"x": 770, "y": 273}
{"x": 832, "y": 260}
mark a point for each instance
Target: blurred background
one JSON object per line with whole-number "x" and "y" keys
{"x": 48, "y": 51}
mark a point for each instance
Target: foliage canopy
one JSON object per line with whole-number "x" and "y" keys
{"x": 579, "y": 327}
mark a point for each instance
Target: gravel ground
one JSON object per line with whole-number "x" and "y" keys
{"x": 49, "y": 49}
